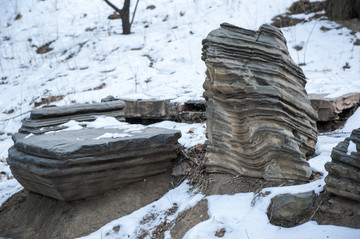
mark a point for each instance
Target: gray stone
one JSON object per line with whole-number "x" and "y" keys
{"x": 259, "y": 119}
{"x": 333, "y": 112}
{"x": 180, "y": 169}
{"x": 77, "y": 164}
{"x": 108, "y": 98}
{"x": 291, "y": 209}
{"x": 49, "y": 118}
{"x": 344, "y": 169}
{"x": 148, "y": 111}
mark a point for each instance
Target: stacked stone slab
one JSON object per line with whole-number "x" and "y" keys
{"x": 344, "y": 169}
{"x": 71, "y": 165}
{"x": 259, "y": 119}
{"x": 49, "y": 118}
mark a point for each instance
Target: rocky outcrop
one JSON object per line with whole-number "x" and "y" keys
{"x": 259, "y": 119}
{"x": 344, "y": 169}
{"x": 50, "y": 118}
{"x": 151, "y": 111}
{"x": 70, "y": 165}
{"x": 333, "y": 112}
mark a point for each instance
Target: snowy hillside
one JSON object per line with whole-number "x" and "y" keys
{"x": 90, "y": 59}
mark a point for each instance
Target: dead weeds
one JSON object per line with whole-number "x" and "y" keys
{"x": 172, "y": 210}
{"x": 49, "y": 100}
{"x": 302, "y": 6}
{"x": 220, "y": 233}
{"x": 45, "y": 48}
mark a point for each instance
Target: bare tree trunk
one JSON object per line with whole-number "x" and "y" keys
{"x": 343, "y": 9}
{"x": 124, "y": 14}
{"x": 125, "y": 17}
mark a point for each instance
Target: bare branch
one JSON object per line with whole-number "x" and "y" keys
{"x": 113, "y": 6}
{"x": 132, "y": 20}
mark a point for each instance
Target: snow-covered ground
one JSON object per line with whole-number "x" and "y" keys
{"x": 160, "y": 60}
{"x": 243, "y": 215}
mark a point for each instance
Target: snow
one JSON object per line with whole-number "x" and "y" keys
{"x": 192, "y": 134}
{"x": 91, "y": 59}
{"x": 352, "y": 123}
{"x": 325, "y": 53}
{"x": 351, "y": 148}
{"x": 112, "y": 136}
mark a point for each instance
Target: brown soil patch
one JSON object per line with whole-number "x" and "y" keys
{"x": 190, "y": 218}
{"x": 44, "y": 48}
{"x": 49, "y": 100}
{"x": 302, "y": 6}
{"x": 30, "y": 215}
{"x": 353, "y": 24}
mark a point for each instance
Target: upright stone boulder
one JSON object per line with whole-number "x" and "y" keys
{"x": 344, "y": 169}
{"x": 259, "y": 119}
{"x": 76, "y": 164}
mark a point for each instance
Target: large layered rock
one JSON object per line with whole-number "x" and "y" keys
{"x": 259, "y": 119}
{"x": 49, "y": 118}
{"x": 70, "y": 165}
{"x": 344, "y": 169}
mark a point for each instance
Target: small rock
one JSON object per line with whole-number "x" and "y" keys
{"x": 151, "y": 7}
{"x": 116, "y": 228}
{"x": 108, "y": 98}
{"x": 18, "y": 16}
{"x": 180, "y": 169}
{"x": 291, "y": 209}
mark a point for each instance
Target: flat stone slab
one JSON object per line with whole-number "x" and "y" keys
{"x": 70, "y": 165}
{"x": 50, "y": 118}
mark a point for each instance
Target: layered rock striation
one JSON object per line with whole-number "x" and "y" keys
{"x": 71, "y": 165}
{"x": 50, "y": 118}
{"x": 259, "y": 119}
{"x": 344, "y": 169}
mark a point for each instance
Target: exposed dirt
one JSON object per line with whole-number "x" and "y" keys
{"x": 30, "y": 215}
{"x": 48, "y": 100}
{"x": 353, "y": 24}
{"x": 190, "y": 218}
{"x": 45, "y": 48}
{"x": 302, "y": 6}
{"x": 305, "y": 6}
